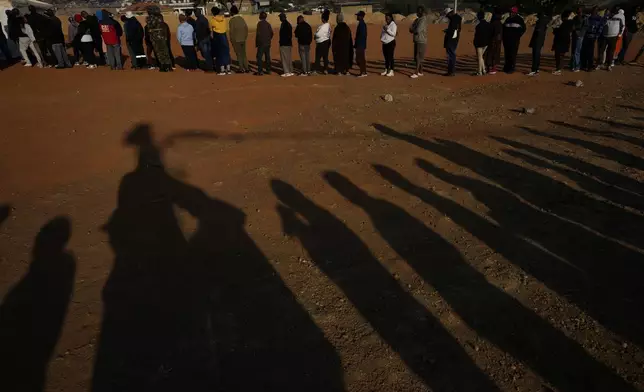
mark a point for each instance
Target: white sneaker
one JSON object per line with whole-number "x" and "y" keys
{"x": 28, "y": 65}
{"x": 414, "y": 76}
{"x": 390, "y": 73}
{"x": 287, "y": 75}
{"x": 41, "y": 66}
{"x": 91, "y": 66}
{"x": 557, "y": 72}
{"x": 533, "y": 73}
{"x": 304, "y": 74}
{"x": 420, "y": 74}
{"x": 575, "y": 70}
{"x": 610, "y": 68}
{"x": 384, "y": 73}
{"x": 364, "y": 75}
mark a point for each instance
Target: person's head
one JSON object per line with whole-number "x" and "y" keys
{"x": 360, "y": 15}
{"x": 189, "y": 13}
{"x": 566, "y": 15}
{"x": 389, "y": 17}
{"x": 339, "y": 18}
{"x": 325, "y": 16}
{"x": 262, "y": 15}
{"x": 594, "y": 11}
{"x": 50, "y": 12}
{"x": 99, "y": 14}
{"x": 198, "y": 12}
{"x": 52, "y": 238}
{"x": 300, "y": 19}
{"x": 123, "y": 18}
{"x": 234, "y": 10}
{"x": 420, "y": 11}
{"x": 129, "y": 15}
{"x": 282, "y": 17}
{"x": 480, "y": 15}
{"x": 580, "y": 11}
{"x": 32, "y": 9}
{"x": 449, "y": 11}
{"x": 84, "y": 14}
{"x": 215, "y": 11}
{"x": 182, "y": 18}
{"x": 514, "y": 10}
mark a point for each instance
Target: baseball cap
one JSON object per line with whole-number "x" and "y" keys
{"x": 514, "y": 9}
{"x": 448, "y": 10}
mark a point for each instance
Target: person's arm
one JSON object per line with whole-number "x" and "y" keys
{"x": 231, "y": 28}
{"x": 391, "y": 30}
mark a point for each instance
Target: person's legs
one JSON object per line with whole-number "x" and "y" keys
{"x": 267, "y": 59}
{"x": 132, "y": 55}
{"x": 361, "y": 60}
{"x": 58, "y": 53}
{"x": 558, "y": 57}
{"x": 575, "y": 58}
{"x": 283, "y": 57}
{"x": 326, "y": 45}
{"x": 118, "y": 57}
{"x": 88, "y": 53}
{"x": 301, "y": 50}
{"x": 536, "y": 58}
{"x": 23, "y": 43}
{"x": 4, "y": 48}
{"x": 289, "y": 59}
{"x": 190, "y": 64}
{"x": 611, "y": 43}
{"x": 479, "y": 54}
{"x": 626, "y": 42}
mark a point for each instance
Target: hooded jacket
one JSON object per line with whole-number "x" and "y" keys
{"x": 513, "y": 28}
{"x": 133, "y": 31}
{"x": 111, "y": 30}
{"x": 72, "y": 29}
{"x": 614, "y": 26}
{"x": 203, "y": 28}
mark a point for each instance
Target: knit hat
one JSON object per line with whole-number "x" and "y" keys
{"x": 78, "y": 18}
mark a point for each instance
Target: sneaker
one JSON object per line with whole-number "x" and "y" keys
{"x": 533, "y": 73}
{"x": 85, "y": 63}
{"x": 419, "y": 74}
{"x": 28, "y": 65}
{"x": 229, "y": 72}
{"x": 91, "y": 66}
{"x": 414, "y": 76}
{"x": 42, "y": 66}
{"x": 77, "y": 63}
{"x": 286, "y": 75}
{"x": 492, "y": 72}
{"x": 364, "y": 75}
{"x": 258, "y": 74}
{"x": 304, "y": 74}
{"x": 610, "y": 68}
{"x": 557, "y": 72}
{"x": 390, "y": 73}
{"x": 598, "y": 68}
{"x": 384, "y": 73}
{"x": 221, "y": 74}
{"x": 575, "y": 70}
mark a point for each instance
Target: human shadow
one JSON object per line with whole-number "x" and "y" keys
{"x": 493, "y": 314}
{"x": 33, "y": 312}
{"x": 5, "y": 211}
{"x": 403, "y": 323}
{"x": 631, "y": 108}
{"x": 608, "y": 134}
{"x": 199, "y": 312}
{"x": 599, "y": 173}
{"x": 574, "y": 229}
{"x": 615, "y": 124}
{"x": 608, "y": 152}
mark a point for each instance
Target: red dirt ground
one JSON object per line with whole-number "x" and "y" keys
{"x": 303, "y": 234}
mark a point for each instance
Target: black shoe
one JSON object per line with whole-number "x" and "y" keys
{"x": 258, "y": 74}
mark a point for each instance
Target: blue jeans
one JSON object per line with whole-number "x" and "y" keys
{"x": 206, "y": 52}
{"x": 575, "y": 58}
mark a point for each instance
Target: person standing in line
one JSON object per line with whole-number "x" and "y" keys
{"x": 27, "y": 40}
{"x": 304, "y": 35}
{"x": 185, "y": 36}
{"x": 238, "y": 31}
{"x": 110, "y": 30}
{"x": 612, "y": 30}
{"x": 191, "y": 21}
{"x": 220, "y": 41}
{"x": 97, "y": 37}
{"x": 57, "y": 40}
{"x": 419, "y": 30}
{"x": 388, "y": 39}
{"x": 39, "y": 25}
{"x": 537, "y": 41}
{"x": 72, "y": 30}
{"x": 493, "y": 52}
{"x": 202, "y": 33}
{"x": 482, "y": 39}
{"x": 513, "y": 29}
{"x": 452, "y": 36}
{"x": 579, "y": 26}
{"x": 323, "y": 44}
{"x": 561, "y": 41}
{"x": 342, "y": 46}
{"x": 14, "y": 31}
{"x": 134, "y": 36}
{"x": 263, "y": 38}
{"x": 593, "y": 30}
{"x": 159, "y": 38}
{"x": 165, "y": 27}
{"x": 629, "y": 32}
{"x": 361, "y": 44}
{"x": 4, "y": 48}
{"x": 85, "y": 41}
{"x": 286, "y": 46}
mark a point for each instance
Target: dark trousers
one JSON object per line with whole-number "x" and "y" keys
{"x": 388, "y": 51}
{"x": 88, "y": 52}
{"x": 4, "y": 48}
{"x": 205, "y": 48}
{"x": 191, "y": 56}
{"x": 45, "y": 52}
{"x": 493, "y": 55}
{"x": 608, "y": 44}
{"x": 536, "y": 58}
{"x": 451, "y": 57}
{"x": 322, "y": 53}
{"x": 265, "y": 52}
{"x": 588, "y": 53}
{"x": 77, "y": 52}
{"x": 361, "y": 60}
{"x": 626, "y": 42}
{"x": 558, "y": 58}
{"x": 511, "y": 48}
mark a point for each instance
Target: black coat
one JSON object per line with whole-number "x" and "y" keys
{"x": 513, "y": 29}
{"x": 55, "y": 33}
{"x": 561, "y": 42}
{"x": 483, "y": 34}
{"x": 304, "y": 33}
{"x": 39, "y": 24}
{"x": 342, "y": 47}
{"x": 286, "y": 34}
{"x": 454, "y": 26}
{"x": 539, "y": 33}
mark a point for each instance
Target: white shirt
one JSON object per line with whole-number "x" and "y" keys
{"x": 323, "y": 33}
{"x": 388, "y": 33}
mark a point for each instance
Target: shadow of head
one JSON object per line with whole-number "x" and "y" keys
{"x": 345, "y": 187}
{"x": 53, "y": 237}
{"x": 140, "y": 135}
{"x": 5, "y": 211}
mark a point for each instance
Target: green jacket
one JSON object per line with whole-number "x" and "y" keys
{"x": 237, "y": 29}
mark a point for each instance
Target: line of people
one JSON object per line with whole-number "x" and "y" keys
{"x": 96, "y": 39}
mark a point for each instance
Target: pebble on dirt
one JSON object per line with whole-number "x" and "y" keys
{"x": 388, "y": 98}
{"x": 529, "y": 110}
{"x": 579, "y": 83}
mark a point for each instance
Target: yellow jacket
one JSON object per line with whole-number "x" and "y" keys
{"x": 218, "y": 24}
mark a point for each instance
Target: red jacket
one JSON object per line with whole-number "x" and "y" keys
{"x": 108, "y": 31}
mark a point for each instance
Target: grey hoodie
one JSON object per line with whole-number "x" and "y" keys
{"x": 419, "y": 30}
{"x": 614, "y": 26}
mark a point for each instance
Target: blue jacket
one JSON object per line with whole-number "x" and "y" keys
{"x": 185, "y": 34}
{"x": 595, "y": 26}
{"x": 361, "y": 35}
